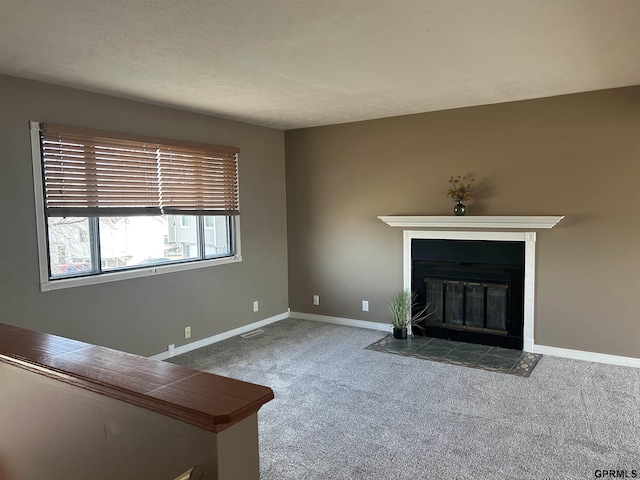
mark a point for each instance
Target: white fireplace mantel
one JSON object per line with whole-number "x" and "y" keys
{"x": 506, "y": 222}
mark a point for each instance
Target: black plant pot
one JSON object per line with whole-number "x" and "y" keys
{"x": 400, "y": 333}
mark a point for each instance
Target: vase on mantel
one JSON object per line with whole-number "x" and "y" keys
{"x": 460, "y": 209}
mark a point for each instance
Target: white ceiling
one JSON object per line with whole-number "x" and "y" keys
{"x": 299, "y": 63}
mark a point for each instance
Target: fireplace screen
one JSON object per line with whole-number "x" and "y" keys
{"x": 467, "y": 305}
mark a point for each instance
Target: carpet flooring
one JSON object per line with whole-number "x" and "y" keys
{"x": 344, "y": 412}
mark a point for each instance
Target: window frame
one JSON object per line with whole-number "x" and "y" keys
{"x": 47, "y": 283}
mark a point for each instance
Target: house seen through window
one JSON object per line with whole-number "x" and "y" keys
{"x": 115, "y": 203}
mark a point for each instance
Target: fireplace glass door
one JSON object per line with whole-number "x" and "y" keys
{"x": 468, "y": 305}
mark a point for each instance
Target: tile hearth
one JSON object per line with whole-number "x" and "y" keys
{"x": 495, "y": 359}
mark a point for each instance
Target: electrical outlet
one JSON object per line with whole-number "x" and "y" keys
{"x": 187, "y": 332}
{"x": 365, "y": 305}
{"x": 316, "y": 299}
{"x": 255, "y": 306}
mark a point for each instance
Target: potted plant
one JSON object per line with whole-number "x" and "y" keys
{"x": 401, "y": 304}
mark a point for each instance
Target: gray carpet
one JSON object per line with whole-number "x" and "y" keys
{"x": 343, "y": 412}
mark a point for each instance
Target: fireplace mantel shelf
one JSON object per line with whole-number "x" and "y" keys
{"x": 531, "y": 222}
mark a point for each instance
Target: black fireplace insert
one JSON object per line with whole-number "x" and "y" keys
{"x": 473, "y": 290}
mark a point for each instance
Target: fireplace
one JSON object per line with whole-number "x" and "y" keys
{"x": 480, "y": 228}
{"x": 473, "y": 290}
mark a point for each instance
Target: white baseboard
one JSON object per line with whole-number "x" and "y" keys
{"x": 589, "y": 356}
{"x": 553, "y": 351}
{"x": 348, "y": 322}
{"x": 219, "y": 337}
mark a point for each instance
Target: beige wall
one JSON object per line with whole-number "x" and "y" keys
{"x": 66, "y": 432}
{"x": 576, "y": 155}
{"x": 142, "y": 315}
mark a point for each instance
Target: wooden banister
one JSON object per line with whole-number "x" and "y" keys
{"x": 208, "y": 401}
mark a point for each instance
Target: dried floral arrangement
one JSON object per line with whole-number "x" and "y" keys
{"x": 460, "y": 190}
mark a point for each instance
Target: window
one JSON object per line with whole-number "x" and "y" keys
{"x": 113, "y": 206}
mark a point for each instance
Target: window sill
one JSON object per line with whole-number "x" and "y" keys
{"x": 138, "y": 273}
